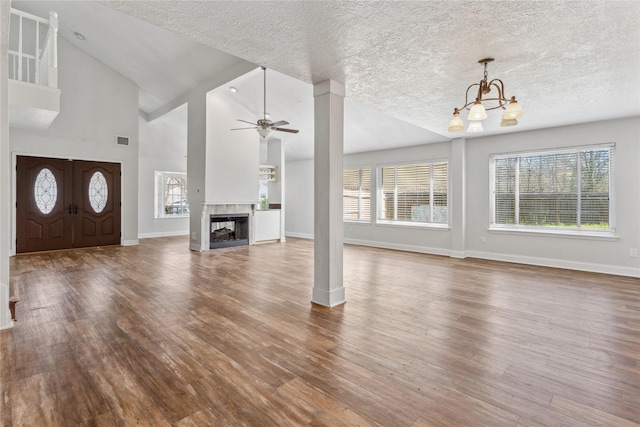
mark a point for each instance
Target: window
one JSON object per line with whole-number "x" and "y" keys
{"x": 414, "y": 193}
{"x": 356, "y": 194}
{"x": 171, "y": 195}
{"x": 45, "y": 191}
{"x": 263, "y": 194}
{"x": 98, "y": 192}
{"x": 568, "y": 189}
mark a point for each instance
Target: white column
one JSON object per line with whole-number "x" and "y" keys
{"x": 196, "y": 170}
{"x": 457, "y": 203}
{"x": 328, "y": 227}
{"x": 5, "y": 168}
{"x": 275, "y": 156}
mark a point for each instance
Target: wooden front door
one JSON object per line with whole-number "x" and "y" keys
{"x": 97, "y": 195}
{"x": 44, "y": 200}
{"x": 65, "y": 204}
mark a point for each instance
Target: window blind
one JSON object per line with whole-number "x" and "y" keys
{"x": 413, "y": 193}
{"x": 356, "y": 194}
{"x": 564, "y": 189}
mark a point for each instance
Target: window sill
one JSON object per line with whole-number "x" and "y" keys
{"x": 172, "y": 216}
{"x": 571, "y": 234}
{"x": 400, "y": 224}
{"x": 357, "y": 221}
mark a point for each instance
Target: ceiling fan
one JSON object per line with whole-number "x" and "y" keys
{"x": 263, "y": 125}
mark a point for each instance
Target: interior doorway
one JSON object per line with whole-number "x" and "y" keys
{"x": 62, "y": 204}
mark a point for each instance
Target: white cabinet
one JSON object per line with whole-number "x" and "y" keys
{"x": 267, "y": 225}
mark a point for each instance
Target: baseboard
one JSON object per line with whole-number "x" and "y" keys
{"x": 519, "y": 259}
{"x": 400, "y": 247}
{"x": 5, "y": 321}
{"x": 163, "y": 234}
{"x": 458, "y": 254}
{"x": 556, "y": 263}
{"x": 133, "y": 242}
{"x": 9, "y": 326}
{"x": 195, "y": 247}
{"x": 386, "y": 245}
{"x": 299, "y": 235}
{"x": 328, "y": 298}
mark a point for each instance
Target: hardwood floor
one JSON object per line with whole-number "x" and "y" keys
{"x": 158, "y": 335}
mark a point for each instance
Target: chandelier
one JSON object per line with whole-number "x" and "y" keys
{"x": 478, "y": 111}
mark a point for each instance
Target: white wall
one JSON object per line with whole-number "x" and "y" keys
{"x": 299, "y": 199}
{"x": 579, "y": 253}
{"x": 233, "y": 157}
{"x": 418, "y": 239}
{"x": 222, "y": 164}
{"x": 163, "y": 147}
{"x": 603, "y": 255}
{"x": 96, "y": 105}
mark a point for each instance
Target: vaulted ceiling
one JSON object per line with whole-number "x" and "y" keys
{"x": 566, "y": 62}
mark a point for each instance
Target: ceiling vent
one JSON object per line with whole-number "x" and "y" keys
{"x": 122, "y": 140}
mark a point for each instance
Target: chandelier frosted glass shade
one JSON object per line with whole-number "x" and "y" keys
{"x": 506, "y": 122}
{"x": 475, "y": 126}
{"x": 513, "y": 111}
{"x": 456, "y": 124}
{"x": 477, "y": 112}
{"x": 482, "y": 103}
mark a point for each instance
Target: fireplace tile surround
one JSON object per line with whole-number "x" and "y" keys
{"x": 220, "y": 209}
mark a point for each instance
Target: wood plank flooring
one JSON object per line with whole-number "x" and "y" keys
{"x": 157, "y": 335}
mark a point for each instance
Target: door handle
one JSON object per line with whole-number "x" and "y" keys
{"x": 70, "y": 209}
{"x": 75, "y": 209}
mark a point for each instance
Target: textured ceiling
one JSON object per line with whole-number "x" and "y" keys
{"x": 567, "y": 62}
{"x": 366, "y": 128}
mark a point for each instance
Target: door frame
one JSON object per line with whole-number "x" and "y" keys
{"x": 14, "y": 190}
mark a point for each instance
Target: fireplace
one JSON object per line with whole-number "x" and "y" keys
{"x": 229, "y": 230}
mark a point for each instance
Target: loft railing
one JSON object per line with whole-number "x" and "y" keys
{"x": 33, "y": 48}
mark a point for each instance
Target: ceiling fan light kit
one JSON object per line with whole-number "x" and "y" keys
{"x": 478, "y": 111}
{"x": 264, "y": 132}
{"x": 264, "y": 126}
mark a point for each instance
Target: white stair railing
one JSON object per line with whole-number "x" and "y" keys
{"x": 32, "y": 58}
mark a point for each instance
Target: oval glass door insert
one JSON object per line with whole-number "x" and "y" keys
{"x": 98, "y": 192}
{"x": 45, "y": 191}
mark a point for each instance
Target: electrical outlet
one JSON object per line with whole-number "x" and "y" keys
{"x": 483, "y": 240}
{"x": 633, "y": 252}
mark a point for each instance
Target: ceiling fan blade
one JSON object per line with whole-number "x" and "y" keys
{"x": 286, "y": 130}
{"x": 255, "y": 127}
{"x": 244, "y": 121}
{"x": 280, "y": 123}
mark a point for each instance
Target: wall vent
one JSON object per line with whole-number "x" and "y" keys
{"x": 122, "y": 140}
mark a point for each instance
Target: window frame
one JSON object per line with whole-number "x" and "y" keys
{"x": 360, "y": 170}
{"x": 160, "y": 188}
{"x": 576, "y": 231}
{"x": 403, "y": 223}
